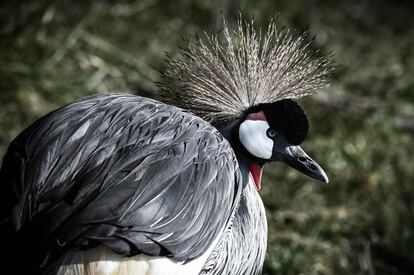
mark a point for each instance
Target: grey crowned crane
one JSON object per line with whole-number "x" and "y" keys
{"x": 122, "y": 184}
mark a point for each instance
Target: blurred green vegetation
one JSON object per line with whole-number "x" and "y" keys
{"x": 362, "y": 127}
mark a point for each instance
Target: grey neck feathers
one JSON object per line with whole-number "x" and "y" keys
{"x": 242, "y": 247}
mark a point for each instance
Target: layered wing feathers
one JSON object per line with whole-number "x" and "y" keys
{"x": 128, "y": 172}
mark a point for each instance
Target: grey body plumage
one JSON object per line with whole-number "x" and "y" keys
{"x": 143, "y": 177}
{"x": 243, "y": 247}
{"x": 132, "y": 169}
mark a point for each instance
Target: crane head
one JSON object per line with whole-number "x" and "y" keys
{"x": 273, "y": 132}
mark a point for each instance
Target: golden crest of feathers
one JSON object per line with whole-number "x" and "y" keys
{"x": 218, "y": 77}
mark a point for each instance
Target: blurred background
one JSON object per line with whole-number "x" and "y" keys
{"x": 362, "y": 126}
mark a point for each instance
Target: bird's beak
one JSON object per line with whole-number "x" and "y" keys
{"x": 295, "y": 157}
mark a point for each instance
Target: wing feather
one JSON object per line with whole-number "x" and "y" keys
{"x": 128, "y": 172}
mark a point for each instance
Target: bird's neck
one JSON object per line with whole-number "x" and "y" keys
{"x": 228, "y": 129}
{"x": 229, "y": 132}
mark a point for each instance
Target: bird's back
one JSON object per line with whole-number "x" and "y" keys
{"x": 126, "y": 172}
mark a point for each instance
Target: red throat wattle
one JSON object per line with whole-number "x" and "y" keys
{"x": 256, "y": 173}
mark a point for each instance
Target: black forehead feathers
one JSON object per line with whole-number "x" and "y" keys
{"x": 287, "y": 117}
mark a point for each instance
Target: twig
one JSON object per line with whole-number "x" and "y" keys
{"x": 70, "y": 40}
{"x": 304, "y": 241}
{"x": 127, "y": 58}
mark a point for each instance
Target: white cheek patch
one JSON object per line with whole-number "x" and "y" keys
{"x": 252, "y": 134}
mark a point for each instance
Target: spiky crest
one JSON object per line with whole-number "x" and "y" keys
{"x": 218, "y": 77}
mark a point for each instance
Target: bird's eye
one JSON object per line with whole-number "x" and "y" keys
{"x": 271, "y": 133}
